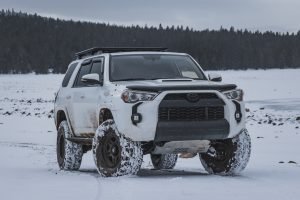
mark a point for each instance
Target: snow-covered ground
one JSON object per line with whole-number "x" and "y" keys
{"x": 28, "y": 168}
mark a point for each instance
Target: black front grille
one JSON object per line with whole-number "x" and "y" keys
{"x": 191, "y": 113}
{"x": 191, "y": 107}
{"x": 183, "y": 96}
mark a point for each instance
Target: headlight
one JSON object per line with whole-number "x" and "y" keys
{"x": 135, "y": 96}
{"x": 235, "y": 94}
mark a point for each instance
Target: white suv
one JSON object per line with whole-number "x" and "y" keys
{"x": 124, "y": 103}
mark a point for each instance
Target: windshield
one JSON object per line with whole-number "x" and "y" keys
{"x": 153, "y": 66}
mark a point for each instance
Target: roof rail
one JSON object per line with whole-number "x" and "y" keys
{"x": 99, "y": 50}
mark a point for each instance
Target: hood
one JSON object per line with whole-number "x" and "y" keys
{"x": 175, "y": 84}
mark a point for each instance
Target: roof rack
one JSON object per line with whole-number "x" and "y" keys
{"x": 99, "y": 50}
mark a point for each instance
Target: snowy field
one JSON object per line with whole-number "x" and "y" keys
{"x": 28, "y": 168}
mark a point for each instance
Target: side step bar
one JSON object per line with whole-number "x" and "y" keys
{"x": 80, "y": 140}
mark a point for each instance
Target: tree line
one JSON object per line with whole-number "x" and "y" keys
{"x": 31, "y": 43}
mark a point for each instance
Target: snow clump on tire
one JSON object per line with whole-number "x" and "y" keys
{"x": 114, "y": 154}
{"x": 69, "y": 154}
{"x": 234, "y": 158}
{"x": 164, "y": 161}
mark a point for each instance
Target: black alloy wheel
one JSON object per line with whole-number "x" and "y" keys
{"x": 220, "y": 159}
{"x": 110, "y": 151}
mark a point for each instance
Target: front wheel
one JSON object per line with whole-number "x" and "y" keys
{"x": 114, "y": 154}
{"x": 229, "y": 156}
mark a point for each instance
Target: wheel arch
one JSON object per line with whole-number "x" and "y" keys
{"x": 60, "y": 116}
{"x": 105, "y": 114}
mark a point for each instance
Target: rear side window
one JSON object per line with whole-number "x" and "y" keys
{"x": 69, "y": 74}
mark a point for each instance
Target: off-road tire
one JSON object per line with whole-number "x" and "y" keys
{"x": 69, "y": 154}
{"x": 114, "y": 154}
{"x": 231, "y": 156}
{"x": 164, "y": 161}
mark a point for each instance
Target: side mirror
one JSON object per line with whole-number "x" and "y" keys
{"x": 215, "y": 77}
{"x": 91, "y": 79}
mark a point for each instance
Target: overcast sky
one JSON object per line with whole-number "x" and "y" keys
{"x": 276, "y": 15}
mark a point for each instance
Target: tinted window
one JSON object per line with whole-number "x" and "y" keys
{"x": 96, "y": 68}
{"x": 84, "y": 70}
{"x": 153, "y": 66}
{"x": 69, "y": 74}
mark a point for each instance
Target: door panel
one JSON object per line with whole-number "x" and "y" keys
{"x": 85, "y": 99}
{"x": 85, "y": 102}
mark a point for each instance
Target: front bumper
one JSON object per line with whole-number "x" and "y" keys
{"x": 150, "y": 128}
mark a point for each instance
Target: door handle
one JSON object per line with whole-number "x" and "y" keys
{"x": 68, "y": 97}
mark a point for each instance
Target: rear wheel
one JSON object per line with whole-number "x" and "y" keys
{"x": 114, "y": 154}
{"x": 69, "y": 154}
{"x": 164, "y": 161}
{"x": 229, "y": 156}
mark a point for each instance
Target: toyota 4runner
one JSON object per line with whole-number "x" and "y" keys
{"x": 123, "y": 103}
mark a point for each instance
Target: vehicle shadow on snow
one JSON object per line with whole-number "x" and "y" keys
{"x": 145, "y": 173}
{"x": 172, "y": 172}
{"x": 154, "y": 173}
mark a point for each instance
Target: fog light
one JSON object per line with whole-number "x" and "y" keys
{"x": 136, "y": 118}
{"x": 238, "y": 113}
{"x": 238, "y": 116}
